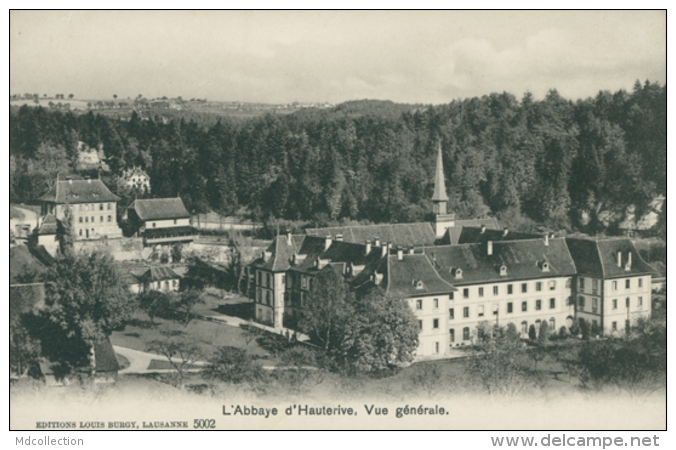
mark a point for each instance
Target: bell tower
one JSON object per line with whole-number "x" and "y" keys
{"x": 442, "y": 219}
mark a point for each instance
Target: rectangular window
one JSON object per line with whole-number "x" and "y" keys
{"x": 465, "y": 334}
{"x": 450, "y": 296}
{"x": 581, "y": 284}
{"x": 628, "y": 302}
{"x": 495, "y": 290}
{"x": 614, "y": 284}
{"x": 451, "y": 335}
{"x": 481, "y": 292}
{"x": 465, "y": 293}
{"x": 451, "y": 313}
{"x": 109, "y": 206}
{"x": 80, "y": 231}
{"x": 580, "y": 303}
{"x": 640, "y": 302}
{"x": 614, "y": 326}
{"x": 595, "y": 305}
{"x": 435, "y": 323}
{"x": 614, "y": 303}
{"x": 436, "y": 303}
{"x": 538, "y": 286}
{"x": 436, "y": 347}
{"x": 175, "y": 221}
{"x": 640, "y": 282}
{"x": 420, "y": 325}
{"x": 465, "y": 311}
{"x": 267, "y": 280}
{"x": 552, "y": 285}
{"x": 552, "y": 303}
{"x": 627, "y": 283}
{"x": 100, "y": 206}
{"x": 510, "y": 307}
{"x": 418, "y": 304}
{"x": 524, "y": 288}
{"x": 86, "y": 219}
{"x": 510, "y": 288}
{"x": 80, "y": 219}
{"x": 595, "y": 286}
{"x": 154, "y": 225}
{"x": 110, "y": 218}
{"x": 480, "y": 310}
{"x": 538, "y": 305}
{"x": 283, "y": 280}
{"x": 259, "y": 278}
{"x": 303, "y": 282}
{"x": 100, "y": 218}
{"x": 524, "y": 306}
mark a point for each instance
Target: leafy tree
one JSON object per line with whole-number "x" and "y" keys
{"x": 298, "y": 366}
{"x": 85, "y": 301}
{"x": 532, "y": 333}
{"x": 499, "y": 363}
{"x": 154, "y": 303}
{"x": 181, "y": 355}
{"x": 233, "y": 365}
{"x": 176, "y": 252}
{"x": 188, "y": 299}
{"x": 383, "y": 333}
{"x": 327, "y": 310}
{"x": 543, "y": 333}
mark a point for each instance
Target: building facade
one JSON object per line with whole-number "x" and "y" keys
{"x": 92, "y": 206}
{"x": 161, "y": 221}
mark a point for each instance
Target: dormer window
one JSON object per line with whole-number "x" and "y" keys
{"x": 503, "y": 271}
{"x": 458, "y": 273}
{"x": 545, "y": 266}
{"x": 418, "y": 284}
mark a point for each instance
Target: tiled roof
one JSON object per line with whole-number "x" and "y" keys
{"x": 49, "y": 225}
{"x": 79, "y": 191}
{"x": 598, "y": 258}
{"x": 453, "y": 233}
{"x": 400, "y": 234}
{"x": 474, "y": 235}
{"x": 159, "y": 208}
{"x": 523, "y": 259}
{"x": 157, "y": 273}
{"x": 415, "y": 275}
{"x": 281, "y": 251}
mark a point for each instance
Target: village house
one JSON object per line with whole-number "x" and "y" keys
{"x": 92, "y": 206}
{"x": 614, "y": 284}
{"x": 155, "y": 278}
{"x": 135, "y": 179}
{"x": 161, "y": 221}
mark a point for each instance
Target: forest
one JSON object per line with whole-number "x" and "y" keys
{"x": 556, "y": 163}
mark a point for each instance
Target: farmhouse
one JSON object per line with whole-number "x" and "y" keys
{"x": 155, "y": 278}
{"x": 161, "y": 221}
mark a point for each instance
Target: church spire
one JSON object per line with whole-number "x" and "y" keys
{"x": 439, "y": 197}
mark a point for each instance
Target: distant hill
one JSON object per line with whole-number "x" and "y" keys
{"x": 356, "y": 108}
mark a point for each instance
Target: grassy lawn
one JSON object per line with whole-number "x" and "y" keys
{"x": 207, "y": 335}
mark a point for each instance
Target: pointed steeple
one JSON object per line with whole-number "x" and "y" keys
{"x": 442, "y": 219}
{"x": 439, "y": 182}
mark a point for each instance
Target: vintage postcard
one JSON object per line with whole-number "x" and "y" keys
{"x": 344, "y": 220}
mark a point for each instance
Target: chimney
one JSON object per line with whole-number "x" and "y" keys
{"x": 384, "y": 250}
{"x": 629, "y": 260}
{"x": 489, "y": 248}
{"x": 264, "y": 256}
{"x": 411, "y": 250}
{"x": 339, "y": 237}
{"x": 619, "y": 259}
{"x": 505, "y": 232}
{"x": 547, "y": 239}
{"x": 288, "y": 237}
{"x": 368, "y": 248}
{"x": 327, "y": 242}
{"x": 400, "y": 254}
{"x": 483, "y": 228}
{"x": 377, "y": 242}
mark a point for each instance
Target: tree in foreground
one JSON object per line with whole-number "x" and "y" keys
{"x": 181, "y": 355}
{"x": 234, "y": 366}
{"x": 499, "y": 363}
{"x": 328, "y": 310}
{"x": 85, "y": 301}
{"x": 383, "y": 332}
{"x": 155, "y": 303}
{"x": 187, "y": 301}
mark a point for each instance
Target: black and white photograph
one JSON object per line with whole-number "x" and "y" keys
{"x": 338, "y": 220}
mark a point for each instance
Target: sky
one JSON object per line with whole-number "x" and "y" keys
{"x": 429, "y": 57}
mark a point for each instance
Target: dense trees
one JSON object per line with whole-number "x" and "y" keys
{"x": 554, "y": 161}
